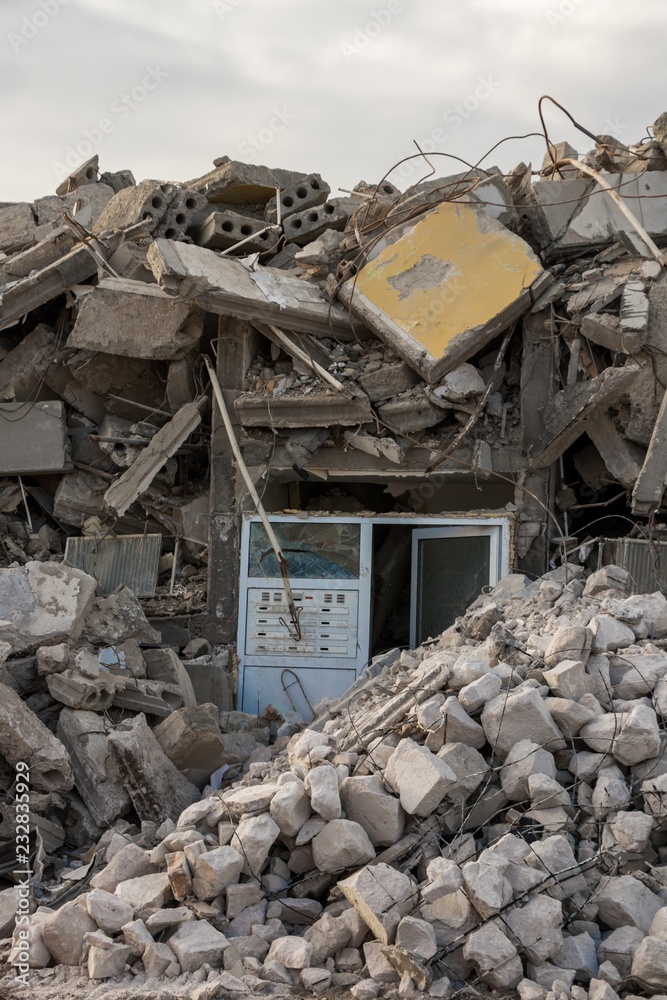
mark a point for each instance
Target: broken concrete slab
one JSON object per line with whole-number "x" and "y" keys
{"x": 574, "y": 215}
{"x": 410, "y": 414}
{"x": 55, "y": 245}
{"x": 156, "y": 787}
{"x": 227, "y": 287}
{"x": 43, "y": 604}
{"x": 416, "y": 291}
{"x": 232, "y": 182}
{"x": 621, "y": 457}
{"x": 40, "y": 287}
{"x": 388, "y": 381}
{"x": 17, "y": 225}
{"x": 25, "y": 740}
{"x": 116, "y": 618}
{"x": 34, "y": 439}
{"x": 18, "y": 368}
{"x": 84, "y": 735}
{"x": 369, "y": 444}
{"x": 136, "y": 320}
{"x": 566, "y": 416}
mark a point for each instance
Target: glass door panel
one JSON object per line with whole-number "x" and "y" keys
{"x": 450, "y": 566}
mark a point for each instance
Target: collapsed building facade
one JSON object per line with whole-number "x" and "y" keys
{"x": 427, "y": 389}
{"x": 255, "y": 437}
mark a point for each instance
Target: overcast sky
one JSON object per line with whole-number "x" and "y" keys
{"x": 341, "y": 87}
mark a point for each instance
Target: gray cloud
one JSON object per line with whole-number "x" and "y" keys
{"x": 354, "y": 81}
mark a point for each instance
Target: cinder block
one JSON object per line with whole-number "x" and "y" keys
{"x": 222, "y": 230}
{"x": 308, "y": 192}
{"x": 304, "y": 227}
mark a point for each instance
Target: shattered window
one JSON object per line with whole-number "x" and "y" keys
{"x": 314, "y": 551}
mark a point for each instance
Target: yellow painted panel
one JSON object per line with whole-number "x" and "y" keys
{"x": 456, "y": 270}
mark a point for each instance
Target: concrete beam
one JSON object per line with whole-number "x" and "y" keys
{"x": 135, "y": 320}
{"x": 620, "y": 456}
{"x": 136, "y": 480}
{"x": 227, "y": 288}
{"x": 650, "y": 485}
{"x": 567, "y": 415}
{"x": 303, "y": 411}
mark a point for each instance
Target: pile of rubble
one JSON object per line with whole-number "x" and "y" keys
{"x": 364, "y": 344}
{"x": 79, "y": 677}
{"x": 488, "y": 809}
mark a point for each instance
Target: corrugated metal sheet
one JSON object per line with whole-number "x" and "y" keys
{"x": 646, "y": 563}
{"x": 129, "y": 559}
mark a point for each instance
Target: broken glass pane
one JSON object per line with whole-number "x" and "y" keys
{"x": 313, "y": 550}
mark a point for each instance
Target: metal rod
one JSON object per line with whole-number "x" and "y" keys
{"x": 25, "y": 504}
{"x": 268, "y": 527}
{"x": 174, "y": 565}
{"x": 246, "y": 240}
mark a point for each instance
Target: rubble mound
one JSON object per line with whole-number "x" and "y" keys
{"x": 487, "y": 810}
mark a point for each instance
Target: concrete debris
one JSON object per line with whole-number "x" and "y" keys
{"x": 479, "y": 361}
{"x": 500, "y": 861}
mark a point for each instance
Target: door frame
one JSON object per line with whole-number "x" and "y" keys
{"x": 503, "y": 522}
{"x": 498, "y": 555}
